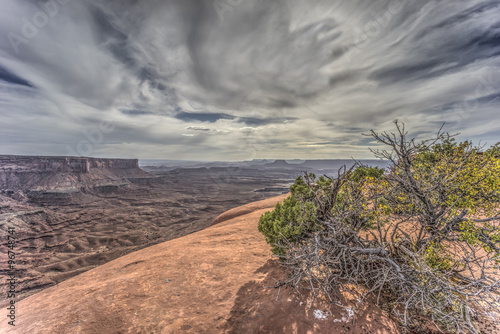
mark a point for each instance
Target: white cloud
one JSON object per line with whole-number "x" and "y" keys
{"x": 281, "y": 79}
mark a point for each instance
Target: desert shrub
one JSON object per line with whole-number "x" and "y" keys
{"x": 366, "y": 171}
{"x": 288, "y": 222}
{"x": 312, "y": 201}
{"x": 424, "y": 238}
{"x": 297, "y": 216}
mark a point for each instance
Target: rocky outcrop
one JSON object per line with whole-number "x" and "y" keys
{"x": 62, "y": 164}
{"x": 64, "y": 230}
{"x": 245, "y": 209}
{"x": 35, "y": 175}
{"x": 166, "y": 289}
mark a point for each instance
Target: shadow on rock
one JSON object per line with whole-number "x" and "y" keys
{"x": 259, "y": 309}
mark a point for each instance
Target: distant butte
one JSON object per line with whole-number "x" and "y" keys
{"x": 279, "y": 163}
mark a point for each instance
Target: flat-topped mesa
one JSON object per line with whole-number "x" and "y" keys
{"x": 35, "y": 175}
{"x": 62, "y": 164}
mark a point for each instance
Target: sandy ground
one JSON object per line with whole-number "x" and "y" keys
{"x": 76, "y": 232}
{"x": 218, "y": 280}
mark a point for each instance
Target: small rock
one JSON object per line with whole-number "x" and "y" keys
{"x": 318, "y": 314}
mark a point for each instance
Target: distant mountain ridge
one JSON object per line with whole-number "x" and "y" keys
{"x": 294, "y": 164}
{"x": 328, "y": 165}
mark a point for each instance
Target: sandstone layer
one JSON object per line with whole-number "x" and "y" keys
{"x": 219, "y": 280}
{"x": 33, "y": 174}
{"x": 73, "y": 214}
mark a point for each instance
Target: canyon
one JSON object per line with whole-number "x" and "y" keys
{"x": 121, "y": 245}
{"x": 72, "y": 214}
{"x": 219, "y": 280}
{"x": 120, "y": 229}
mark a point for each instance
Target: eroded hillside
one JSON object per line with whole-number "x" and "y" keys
{"x": 73, "y": 214}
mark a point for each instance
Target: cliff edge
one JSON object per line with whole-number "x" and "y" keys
{"x": 219, "y": 280}
{"x": 38, "y": 178}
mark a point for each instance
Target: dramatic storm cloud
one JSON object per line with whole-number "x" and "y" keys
{"x": 243, "y": 79}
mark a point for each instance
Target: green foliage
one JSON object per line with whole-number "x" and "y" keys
{"x": 310, "y": 202}
{"x": 364, "y": 172}
{"x": 301, "y": 190}
{"x": 289, "y": 221}
{"x": 494, "y": 151}
{"x": 436, "y": 258}
{"x": 417, "y": 232}
{"x": 467, "y": 178}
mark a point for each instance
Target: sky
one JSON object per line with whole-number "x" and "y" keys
{"x": 243, "y": 79}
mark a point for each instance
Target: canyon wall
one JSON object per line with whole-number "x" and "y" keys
{"x": 62, "y": 164}
{"x": 30, "y": 174}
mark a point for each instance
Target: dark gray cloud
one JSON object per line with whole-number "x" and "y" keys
{"x": 135, "y": 112}
{"x": 197, "y": 128}
{"x": 202, "y": 117}
{"x": 8, "y": 76}
{"x": 224, "y": 79}
{"x": 254, "y": 121}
